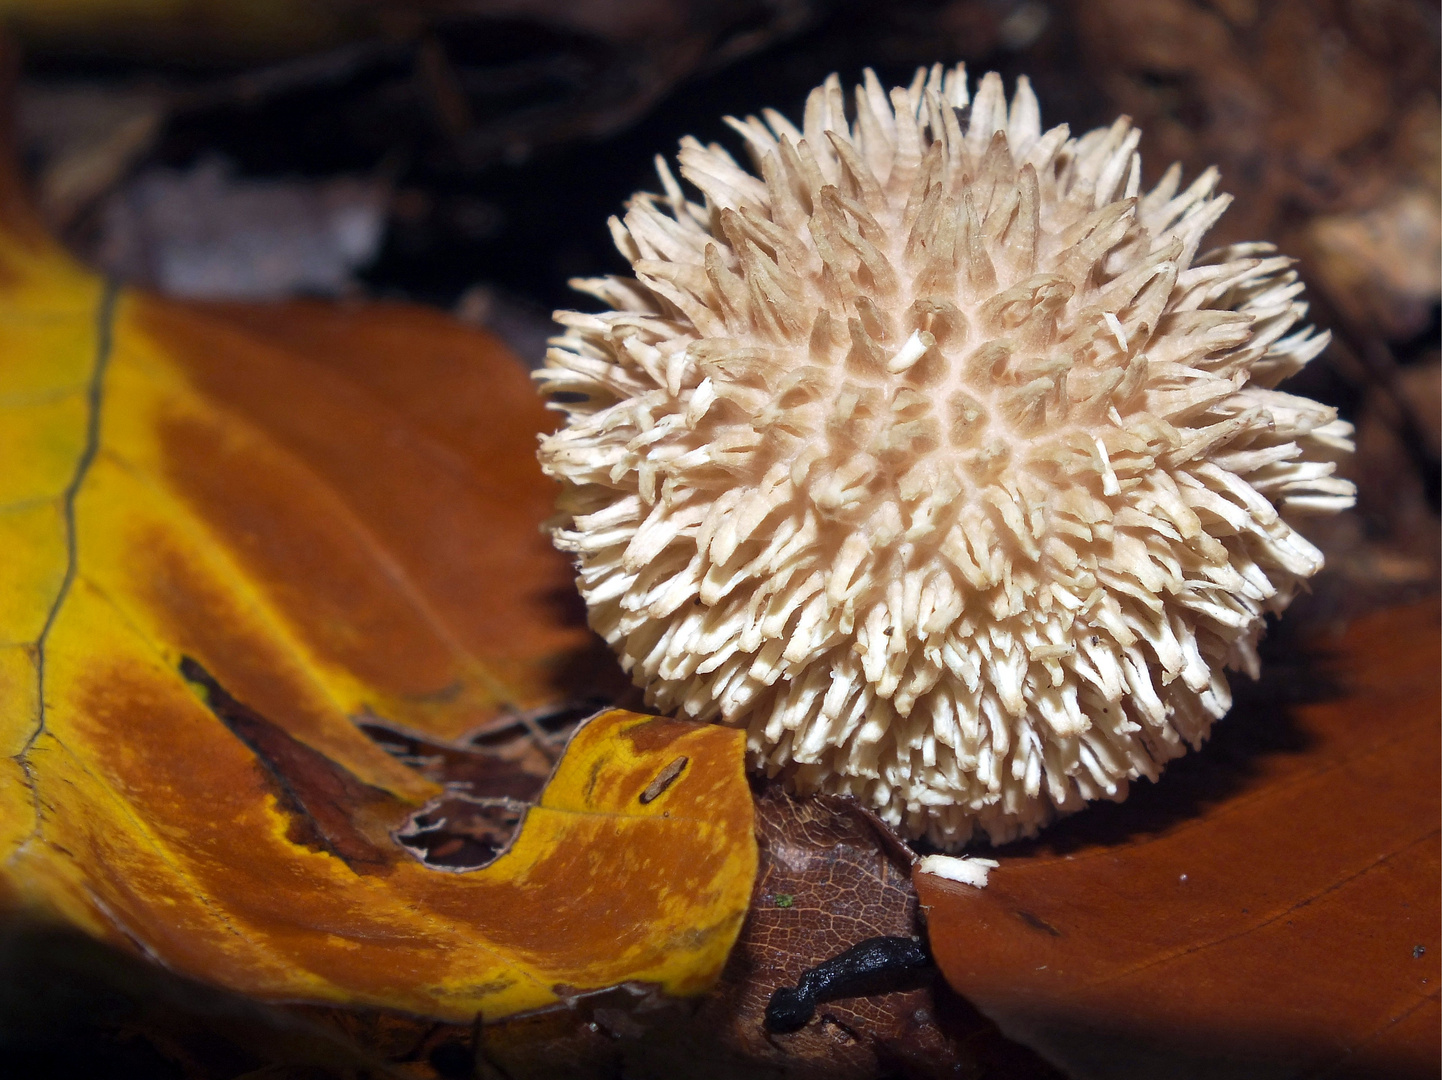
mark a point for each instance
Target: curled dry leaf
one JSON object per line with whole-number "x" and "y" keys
{"x": 230, "y": 533}
{"x": 827, "y": 882}
{"x": 1283, "y": 923}
{"x": 830, "y": 876}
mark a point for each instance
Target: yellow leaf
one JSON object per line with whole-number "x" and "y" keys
{"x": 331, "y": 512}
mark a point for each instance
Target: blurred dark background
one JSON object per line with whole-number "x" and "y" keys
{"x": 467, "y": 153}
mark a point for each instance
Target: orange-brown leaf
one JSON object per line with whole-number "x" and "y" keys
{"x": 231, "y": 534}
{"x": 1286, "y": 920}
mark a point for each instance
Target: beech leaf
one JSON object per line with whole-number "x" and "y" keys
{"x": 1284, "y": 924}
{"x": 234, "y": 540}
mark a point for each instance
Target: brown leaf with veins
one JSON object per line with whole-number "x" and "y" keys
{"x": 827, "y": 881}
{"x": 830, "y": 876}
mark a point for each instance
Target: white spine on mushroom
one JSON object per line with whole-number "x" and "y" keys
{"x": 966, "y": 869}
{"x": 936, "y": 457}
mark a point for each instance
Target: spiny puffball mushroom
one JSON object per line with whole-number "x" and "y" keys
{"x": 935, "y": 456}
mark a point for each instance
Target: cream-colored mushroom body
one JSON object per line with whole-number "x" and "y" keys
{"x": 931, "y": 453}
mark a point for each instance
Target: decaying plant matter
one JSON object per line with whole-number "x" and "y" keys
{"x": 936, "y": 456}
